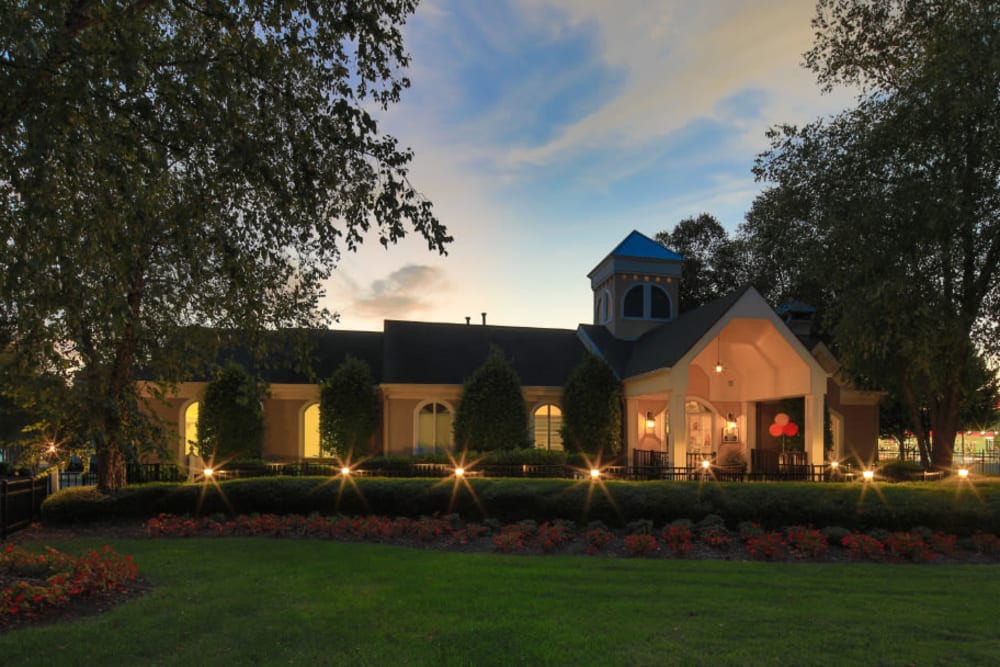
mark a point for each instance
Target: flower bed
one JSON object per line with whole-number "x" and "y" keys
{"x": 677, "y": 540}
{"x": 33, "y": 584}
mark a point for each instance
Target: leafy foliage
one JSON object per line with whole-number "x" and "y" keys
{"x": 348, "y": 410}
{"x": 231, "y": 419}
{"x": 711, "y": 260}
{"x": 592, "y": 410}
{"x": 492, "y": 413}
{"x": 895, "y": 202}
{"x": 165, "y": 165}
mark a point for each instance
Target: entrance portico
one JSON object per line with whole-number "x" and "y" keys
{"x": 705, "y": 403}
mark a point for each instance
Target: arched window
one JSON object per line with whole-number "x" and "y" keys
{"x": 659, "y": 303}
{"x": 647, "y": 301}
{"x": 434, "y": 428}
{"x": 191, "y": 427}
{"x": 634, "y": 302}
{"x": 310, "y": 432}
{"x": 548, "y": 421}
{"x": 604, "y": 309}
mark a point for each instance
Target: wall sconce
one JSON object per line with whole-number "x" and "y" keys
{"x": 650, "y": 422}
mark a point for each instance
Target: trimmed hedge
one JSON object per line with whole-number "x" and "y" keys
{"x": 852, "y": 506}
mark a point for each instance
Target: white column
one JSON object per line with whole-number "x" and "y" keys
{"x": 814, "y": 428}
{"x": 678, "y": 427}
{"x": 631, "y": 429}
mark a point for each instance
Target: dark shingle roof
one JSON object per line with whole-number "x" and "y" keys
{"x": 435, "y": 353}
{"x": 325, "y": 349}
{"x": 663, "y": 346}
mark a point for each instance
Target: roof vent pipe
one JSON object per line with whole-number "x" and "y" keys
{"x": 468, "y": 320}
{"x": 484, "y": 319}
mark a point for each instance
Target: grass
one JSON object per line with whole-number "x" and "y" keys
{"x": 264, "y": 601}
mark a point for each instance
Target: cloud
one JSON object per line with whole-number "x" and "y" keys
{"x": 403, "y": 294}
{"x": 681, "y": 62}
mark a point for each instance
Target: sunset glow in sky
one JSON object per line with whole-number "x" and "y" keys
{"x": 546, "y": 130}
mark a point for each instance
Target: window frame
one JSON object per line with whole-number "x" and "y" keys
{"x": 437, "y": 447}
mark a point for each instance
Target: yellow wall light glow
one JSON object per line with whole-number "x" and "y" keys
{"x": 868, "y": 475}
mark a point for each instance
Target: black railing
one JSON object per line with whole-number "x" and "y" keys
{"x": 21, "y": 502}
{"x": 135, "y": 473}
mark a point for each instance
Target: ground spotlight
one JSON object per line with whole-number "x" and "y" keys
{"x": 869, "y": 475}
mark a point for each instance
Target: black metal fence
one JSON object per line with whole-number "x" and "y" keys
{"x": 21, "y": 502}
{"x": 764, "y": 466}
{"x": 135, "y": 473}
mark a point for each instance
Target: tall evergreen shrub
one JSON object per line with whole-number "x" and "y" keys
{"x": 492, "y": 413}
{"x": 592, "y": 409}
{"x": 231, "y": 418}
{"x": 348, "y": 410}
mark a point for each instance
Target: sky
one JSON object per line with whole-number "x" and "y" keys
{"x": 545, "y": 131}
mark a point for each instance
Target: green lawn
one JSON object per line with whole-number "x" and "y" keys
{"x": 282, "y": 602}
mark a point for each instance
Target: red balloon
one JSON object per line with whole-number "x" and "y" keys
{"x": 790, "y": 429}
{"x": 775, "y": 430}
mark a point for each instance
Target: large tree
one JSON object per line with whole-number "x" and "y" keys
{"x": 899, "y": 195}
{"x": 168, "y": 164}
{"x": 711, "y": 262}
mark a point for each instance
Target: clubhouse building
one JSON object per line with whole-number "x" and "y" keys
{"x": 731, "y": 380}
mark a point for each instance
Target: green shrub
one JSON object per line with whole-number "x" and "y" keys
{"x": 522, "y": 456}
{"x": 592, "y": 411}
{"x": 899, "y": 471}
{"x": 76, "y": 505}
{"x": 710, "y": 522}
{"x": 770, "y": 506}
{"x": 492, "y": 413}
{"x": 835, "y": 534}
{"x": 348, "y": 410}
{"x": 231, "y": 418}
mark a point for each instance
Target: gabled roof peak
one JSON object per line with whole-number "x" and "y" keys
{"x": 637, "y": 244}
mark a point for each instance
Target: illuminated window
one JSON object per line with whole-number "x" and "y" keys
{"x": 548, "y": 421}
{"x": 191, "y": 428}
{"x": 434, "y": 428}
{"x": 310, "y": 432}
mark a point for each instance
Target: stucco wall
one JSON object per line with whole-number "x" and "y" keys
{"x": 861, "y": 424}
{"x": 282, "y": 419}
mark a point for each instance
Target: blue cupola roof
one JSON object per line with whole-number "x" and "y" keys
{"x": 640, "y": 245}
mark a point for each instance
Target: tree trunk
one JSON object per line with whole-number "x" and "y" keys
{"x": 110, "y": 467}
{"x": 118, "y": 406}
{"x": 913, "y": 404}
{"x": 944, "y": 427}
{"x": 944, "y": 424}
